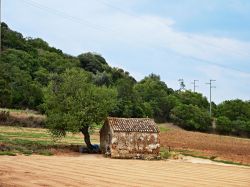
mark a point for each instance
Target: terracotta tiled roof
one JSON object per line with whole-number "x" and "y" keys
{"x": 132, "y": 124}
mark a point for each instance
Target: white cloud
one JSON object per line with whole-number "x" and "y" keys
{"x": 95, "y": 21}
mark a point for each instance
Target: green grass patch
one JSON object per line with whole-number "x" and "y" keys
{"x": 9, "y": 153}
{"x": 165, "y": 154}
{"x": 45, "y": 153}
{"x": 163, "y": 129}
{"x": 186, "y": 152}
{"x": 29, "y": 141}
{"x": 230, "y": 162}
{"x": 26, "y": 134}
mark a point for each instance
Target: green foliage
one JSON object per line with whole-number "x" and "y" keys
{"x": 165, "y": 154}
{"x": 19, "y": 88}
{"x": 25, "y": 67}
{"x": 103, "y": 79}
{"x": 40, "y": 44}
{"x": 117, "y": 74}
{"x": 241, "y": 127}
{"x": 128, "y": 104}
{"x": 187, "y": 97}
{"x": 75, "y": 102}
{"x": 236, "y": 127}
{"x": 223, "y": 124}
{"x": 42, "y": 76}
{"x": 238, "y": 113}
{"x": 191, "y": 117}
{"x": 155, "y": 93}
{"x": 56, "y": 63}
{"x": 92, "y": 62}
{"x": 12, "y": 39}
{"x": 9, "y": 153}
{"x": 235, "y": 110}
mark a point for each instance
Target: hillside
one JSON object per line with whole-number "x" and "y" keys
{"x": 28, "y": 64}
{"x": 34, "y": 75}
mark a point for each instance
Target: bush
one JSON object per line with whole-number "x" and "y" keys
{"x": 191, "y": 117}
{"x": 4, "y": 115}
{"x": 234, "y": 110}
{"x": 223, "y": 125}
{"x": 237, "y": 127}
{"x": 165, "y": 154}
{"x": 241, "y": 128}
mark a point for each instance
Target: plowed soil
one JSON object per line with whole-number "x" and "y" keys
{"x": 222, "y": 147}
{"x": 95, "y": 170}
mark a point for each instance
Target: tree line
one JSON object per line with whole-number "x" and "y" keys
{"x": 77, "y": 93}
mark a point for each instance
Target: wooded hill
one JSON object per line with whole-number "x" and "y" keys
{"x": 37, "y": 76}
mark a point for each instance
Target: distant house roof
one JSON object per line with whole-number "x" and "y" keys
{"x": 132, "y": 124}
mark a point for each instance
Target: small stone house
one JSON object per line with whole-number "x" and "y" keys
{"x": 130, "y": 138}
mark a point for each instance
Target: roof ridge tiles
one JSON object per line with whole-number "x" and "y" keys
{"x": 132, "y": 124}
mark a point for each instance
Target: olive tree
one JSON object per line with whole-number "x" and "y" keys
{"x": 74, "y": 104}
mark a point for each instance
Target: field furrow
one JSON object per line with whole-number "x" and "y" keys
{"x": 92, "y": 170}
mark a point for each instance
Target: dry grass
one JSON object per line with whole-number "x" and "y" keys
{"x": 23, "y": 118}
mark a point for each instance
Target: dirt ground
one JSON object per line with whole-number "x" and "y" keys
{"x": 221, "y": 147}
{"x": 95, "y": 170}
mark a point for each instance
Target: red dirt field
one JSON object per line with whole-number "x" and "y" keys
{"x": 222, "y": 147}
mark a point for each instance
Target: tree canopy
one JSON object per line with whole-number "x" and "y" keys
{"x": 73, "y": 103}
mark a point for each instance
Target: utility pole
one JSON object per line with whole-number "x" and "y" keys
{"x": 0, "y": 27}
{"x": 194, "y": 83}
{"x": 210, "y": 89}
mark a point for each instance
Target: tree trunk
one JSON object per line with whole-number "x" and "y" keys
{"x": 85, "y": 132}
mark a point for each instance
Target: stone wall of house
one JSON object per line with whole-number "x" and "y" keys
{"x": 135, "y": 145}
{"x": 105, "y": 138}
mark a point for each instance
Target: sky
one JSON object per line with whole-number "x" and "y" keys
{"x": 189, "y": 39}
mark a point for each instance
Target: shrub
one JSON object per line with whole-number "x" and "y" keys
{"x": 4, "y": 115}
{"x": 191, "y": 117}
{"x": 237, "y": 127}
{"x": 223, "y": 124}
{"x": 241, "y": 127}
{"x": 165, "y": 154}
{"x": 234, "y": 110}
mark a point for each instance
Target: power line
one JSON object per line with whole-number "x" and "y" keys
{"x": 107, "y": 29}
{"x": 65, "y": 15}
{"x": 84, "y": 22}
{"x": 124, "y": 11}
{"x": 206, "y": 61}
{"x": 210, "y": 95}
{"x": 176, "y": 53}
